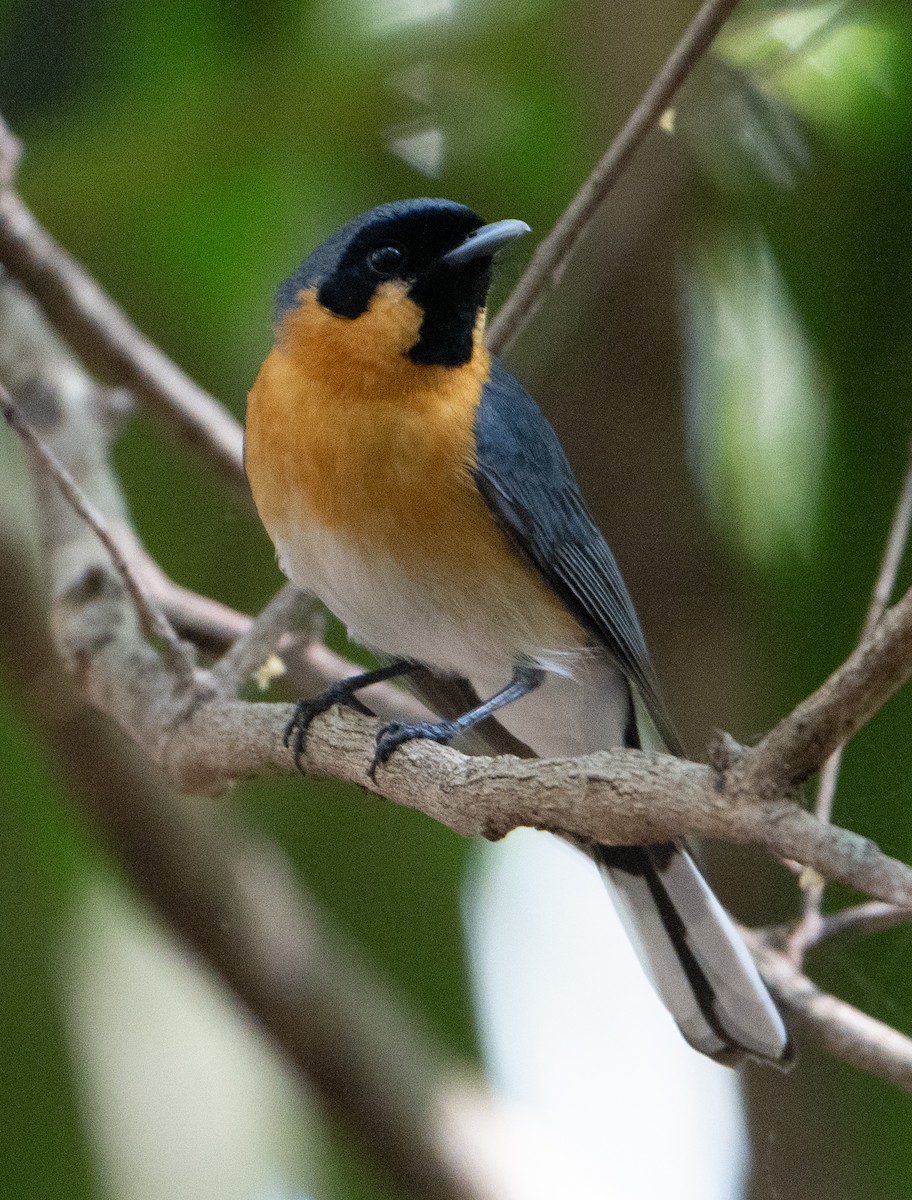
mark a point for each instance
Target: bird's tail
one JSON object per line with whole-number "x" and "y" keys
{"x": 694, "y": 954}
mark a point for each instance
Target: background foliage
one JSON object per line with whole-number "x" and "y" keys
{"x": 728, "y": 365}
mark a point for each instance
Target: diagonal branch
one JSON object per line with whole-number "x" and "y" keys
{"x": 287, "y": 609}
{"x": 553, "y": 253}
{"x": 843, "y": 1030}
{"x": 102, "y": 332}
{"x": 152, "y": 620}
{"x": 808, "y": 928}
{"x": 880, "y": 598}
{"x": 801, "y": 742}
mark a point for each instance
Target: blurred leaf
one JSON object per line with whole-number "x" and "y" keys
{"x": 838, "y": 63}
{"x": 756, "y": 399}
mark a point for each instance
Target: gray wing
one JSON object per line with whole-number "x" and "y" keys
{"x": 689, "y": 945}
{"x": 527, "y": 482}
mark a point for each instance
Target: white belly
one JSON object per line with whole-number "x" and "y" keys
{"x": 386, "y": 610}
{"x": 583, "y": 704}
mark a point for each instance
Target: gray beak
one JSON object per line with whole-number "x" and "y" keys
{"x": 484, "y": 241}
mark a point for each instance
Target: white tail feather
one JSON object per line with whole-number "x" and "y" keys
{"x": 693, "y": 953}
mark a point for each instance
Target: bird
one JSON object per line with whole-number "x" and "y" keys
{"x": 409, "y": 481}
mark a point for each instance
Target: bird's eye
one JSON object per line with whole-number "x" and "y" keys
{"x": 386, "y": 260}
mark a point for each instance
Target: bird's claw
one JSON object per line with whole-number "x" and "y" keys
{"x": 392, "y": 736}
{"x": 306, "y": 711}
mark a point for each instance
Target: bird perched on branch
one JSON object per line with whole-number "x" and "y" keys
{"x": 408, "y": 480}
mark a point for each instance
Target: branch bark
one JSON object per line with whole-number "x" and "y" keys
{"x": 204, "y": 740}
{"x": 840, "y": 1028}
{"x": 370, "y": 1064}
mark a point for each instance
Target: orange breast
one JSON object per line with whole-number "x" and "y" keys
{"x": 346, "y": 432}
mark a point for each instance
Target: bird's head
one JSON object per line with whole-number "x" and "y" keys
{"x": 406, "y": 279}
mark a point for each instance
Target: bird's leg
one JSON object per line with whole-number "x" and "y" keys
{"x": 526, "y": 679}
{"x": 341, "y": 692}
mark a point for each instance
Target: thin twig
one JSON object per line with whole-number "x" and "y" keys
{"x": 310, "y": 666}
{"x": 840, "y": 1028}
{"x": 808, "y": 929}
{"x": 351, "y": 1040}
{"x": 289, "y": 608}
{"x": 880, "y": 598}
{"x": 10, "y": 154}
{"x": 152, "y": 621}
{"x": 861, "y": 919}
{"x": 552, "y": 255}
{"x": 109, "y": 341}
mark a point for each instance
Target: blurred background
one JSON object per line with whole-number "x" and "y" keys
{"x": 728, "y": 365}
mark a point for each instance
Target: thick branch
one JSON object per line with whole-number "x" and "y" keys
{"x": 205, "y": 742}
{"x": 617, "y": 796}
{"x": 367, "y": 1061}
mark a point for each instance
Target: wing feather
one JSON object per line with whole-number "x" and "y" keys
{"x": 527, "y": 482}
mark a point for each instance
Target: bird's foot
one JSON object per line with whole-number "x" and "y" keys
{"x": 306, "y": 711}
{"x": 391, "y": 737}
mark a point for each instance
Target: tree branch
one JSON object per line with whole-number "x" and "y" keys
{"x": 371, "y": 1066}
{"x": 808, "y": 929}
{"x": 104, "y": 335}
{"x": 310, "y": 666}
{"x": 204, "y": 741}
{"x": 287, "y": 610}
{"x": 152, "y": 620}
{"x": 870, "y": 917}
{"x": 840, "y": 1028}
{"x": 858, "y": 920}
{"x": 800, "y": 744}
{"x": 553, "y": 253}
